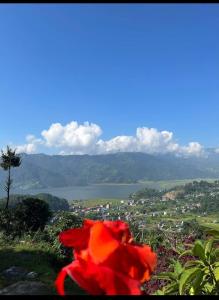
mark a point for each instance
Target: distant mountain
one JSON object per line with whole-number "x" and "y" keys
{"x": 43, "y": 171}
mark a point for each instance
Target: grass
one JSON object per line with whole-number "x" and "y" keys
{"x": 36, "y": 257}
{"x": 31, "y": 257}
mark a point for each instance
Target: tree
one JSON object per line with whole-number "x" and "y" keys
{"x": 31, "y": 214}
{"x": 9, "y": 159}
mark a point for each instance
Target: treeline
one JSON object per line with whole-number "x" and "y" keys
{"x": 146, "y": 193}
{"x": 198, "y": 186}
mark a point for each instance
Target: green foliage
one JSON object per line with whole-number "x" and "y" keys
{"x": 55, "y": 203}
{"x": 60, "y": 222}
{"x": 63, "y": 221}
{"x": 93, "y": 215}
{"x": 200, "y": 186}
{"x": 199, "y": 275}
{"x": 34, "y": 257}
{"x": 173, "y": 277}
{"x": 38, "y": 170}
{"x": 32, "y": 214}
{"x": 29, "y": 215}
{"x": 6, "y": 220}
{"x": 145, "y": 193}
{"x": 192, "y": 226}
{"x": 153, "y": 237}
{"x": 9, "y": 159}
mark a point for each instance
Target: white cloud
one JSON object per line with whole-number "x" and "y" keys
{"x": 119, "y": 143}
{"x": 26, "y": 148}
{"x": 149, "y": 140}
{"x": 31, "y": 146}
{"x": 194, "y": 148}
{"x": 74, "y": 138}
{"x": 216, "y": 150}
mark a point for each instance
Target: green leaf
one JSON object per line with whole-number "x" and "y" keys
{"x": 171, "y": 288}
{"x": 212, "y": 231}
{"x": 192, "y": 263}
{"x": 216, "y": 252}
{"x": 216, "y": 273}
{"x": 159, "y": 292}
{"x": 208, "y": 287}
{"x": 192, "y": 291}
{"x": 208, "y": 247}
{"x": 216, "y": 264}
{"x": 187, "y": 252}
{"x": 187, "y": 277}
{"x": 166, "y": 276}
{"x": 196, "y": 285}
{"x": 178, "y": 269}
{"x": 206, "y": 270}
{"x": 199, "y": 250}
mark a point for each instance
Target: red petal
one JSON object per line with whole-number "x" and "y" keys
{"x": 89, "y": 223}
{"x": 120, "y": 230}
{"x": 132, "y": 261}
{"x": 97, "y": 280}
{"x": 78, "y": 271}
{"x": 114, "y": 283}
{"x": 76, "y": 238}
{"x": 60, "y": 282}
{"x": 101, "y": 243}
{"x": 143, "y": 261}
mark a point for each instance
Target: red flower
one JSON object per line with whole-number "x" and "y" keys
{"x": 107, "y": 261}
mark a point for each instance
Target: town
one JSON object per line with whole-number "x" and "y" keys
{"x": 164, "y": 210}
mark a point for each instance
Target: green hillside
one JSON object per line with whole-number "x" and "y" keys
{"x": 43, "y": 171}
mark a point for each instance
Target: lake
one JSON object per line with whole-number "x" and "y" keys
{"x": 107, "y": 191}
{"x": 120, "y": 191}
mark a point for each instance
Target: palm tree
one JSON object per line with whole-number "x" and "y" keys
{"x": 9, "y": 160}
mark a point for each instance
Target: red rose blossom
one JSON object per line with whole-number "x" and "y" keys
{"x": 107, "y": 261}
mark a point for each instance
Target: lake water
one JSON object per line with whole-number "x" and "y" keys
{"x": 120, "y": 191}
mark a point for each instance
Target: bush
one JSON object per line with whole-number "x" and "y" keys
{"x": 5, "y": 217}
{"x": 32, "y": 214}
{"x": 29, "y": 215}
{"x": 60, "y": 222}
{"x": 198, "y": 271}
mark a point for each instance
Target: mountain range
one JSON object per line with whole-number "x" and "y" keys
{"x": 43, "y": 171}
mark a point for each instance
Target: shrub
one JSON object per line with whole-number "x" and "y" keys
{"x": 32, "y": 214}
{"x": 60, "y": 222}
{"x": 29, "y": 215}
{"x": 199, "y": 273}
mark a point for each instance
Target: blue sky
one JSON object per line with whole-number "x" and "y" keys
{"x": 121, "y": 67}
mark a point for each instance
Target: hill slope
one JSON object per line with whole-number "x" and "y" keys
{"x": 40, "y": 170}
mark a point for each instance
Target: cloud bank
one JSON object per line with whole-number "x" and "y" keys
{"x": 31, "y": 145}
{"x": 74, "y": 138}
